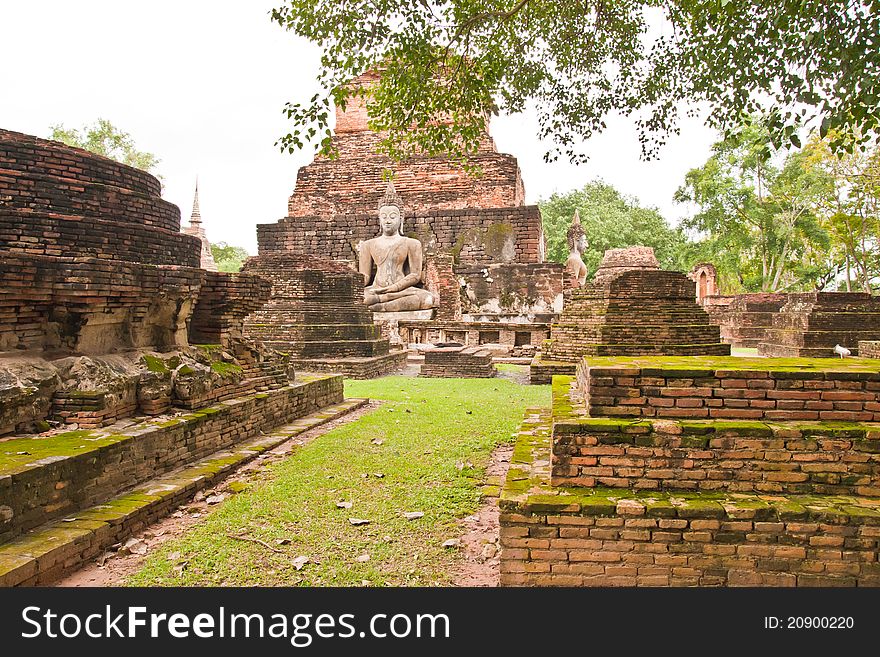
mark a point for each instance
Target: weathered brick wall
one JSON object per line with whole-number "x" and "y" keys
{"x": 512, "y": 288}
{"x": 93, "y": 305}
{"x": 869, "y": 349}
{"x": 629, "y": 544}
{"x": 440, "y": 279}
{"x": 744, "y": 318}
{"x": 115, "y": 459}
{"x": 23, "y": 155}
{"x": 453, "y": 362}
{"x": 44, "y": 234}
{"x": 714, "y": 392}
{"x": 812, "y": 323}
{"x": 224, "y": 302}
{"x": 473, "y": 236}
{"x": 759, "y": 458}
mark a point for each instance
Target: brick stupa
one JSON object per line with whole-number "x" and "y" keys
{"x": 317, "y": 315}
{"x": 631, "y": 308}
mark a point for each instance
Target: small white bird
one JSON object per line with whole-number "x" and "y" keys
{"x": 843, "y": 351}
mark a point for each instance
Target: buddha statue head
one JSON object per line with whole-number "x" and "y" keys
{"x": 576, "y": 236}
{"x": 391, "y": 212}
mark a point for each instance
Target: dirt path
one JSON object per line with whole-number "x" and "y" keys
{"x": 480, "y": 548}
{"x": 479, "y": 564}
{"x": 113, "y": 567}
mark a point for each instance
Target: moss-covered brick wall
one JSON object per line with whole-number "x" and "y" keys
{"x": 829, "y": 458}
{"x": 732, "y": 388}
{"x": 42, "y": 478}
{"x": 558, "y": 535}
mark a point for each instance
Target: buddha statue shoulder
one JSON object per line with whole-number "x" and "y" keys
{"x": 391, "y": 263}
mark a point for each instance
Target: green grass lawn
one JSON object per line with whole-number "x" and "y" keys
{"x": 436, "y": 436}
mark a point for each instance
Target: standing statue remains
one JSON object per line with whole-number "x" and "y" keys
{"x": 577, "y": 244}
{"x": 397, "y": 260}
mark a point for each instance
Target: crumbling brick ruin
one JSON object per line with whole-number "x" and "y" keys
{"x": 812, "y": 323}
{"x": 317, "y": 316}
{"x": 494, "y": 244}
{"x": 744, "y": 318}
{"x": 698, "y": 471}
{"x": 107, "y": 321}
{"x": 631, "y": 308}
{"x": 458, "y": 362}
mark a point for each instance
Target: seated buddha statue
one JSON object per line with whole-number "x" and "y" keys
{"x": 397, "y": 260}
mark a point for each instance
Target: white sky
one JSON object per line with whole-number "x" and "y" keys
{"x": 201, "y": 84}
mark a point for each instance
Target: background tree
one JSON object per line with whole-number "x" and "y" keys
{"x": 227, "y": 257}
{"x": 610, "y": 220}
{"x": 103, "y": 138}
{"x": 852, "y": 212}
{"x": 445, "y": 63}
{"x": 757, "y": 217}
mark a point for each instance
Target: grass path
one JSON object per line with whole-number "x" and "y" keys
{"x": 423, "y": 450}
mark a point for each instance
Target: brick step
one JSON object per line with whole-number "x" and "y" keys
{"x": 575, "y": 536}
{"x": 46, "y": 477}
{"x": 45, "y": 554}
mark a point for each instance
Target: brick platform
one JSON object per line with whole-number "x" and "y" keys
{"x": 732, "y": 388}
{"x": 628, "y": 310}
{"x": 42, "y": 478}
{"x": 515, "y": 335}
{"x": 638, "y": 312}
{"x": 609, "y": 501}
{"x": 812, "y": 323}
{"x": 569, "y": 536}
{"x": 458, "y": 362}
{"x": 473, "y": 236}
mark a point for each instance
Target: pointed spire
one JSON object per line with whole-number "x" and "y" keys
{"x": 391, "y": 197}
{"x": 196, "y": 217}
{"x": 577, "y": 217}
